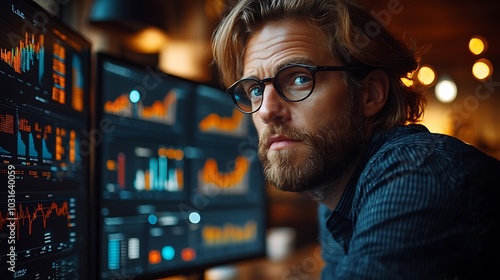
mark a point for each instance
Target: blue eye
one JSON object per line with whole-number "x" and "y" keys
{"x": 255, "y": 92}
{"x": 301, "y": 80}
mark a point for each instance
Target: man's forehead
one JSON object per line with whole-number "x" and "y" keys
{"x": 279, "y": 44}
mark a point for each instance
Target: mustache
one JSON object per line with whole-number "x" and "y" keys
{"x": 279, "y": 129}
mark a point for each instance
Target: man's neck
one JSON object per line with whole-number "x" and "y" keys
{"x": 330, "y": 192}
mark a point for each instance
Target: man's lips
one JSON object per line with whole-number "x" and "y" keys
{"x": 277, "y": 142}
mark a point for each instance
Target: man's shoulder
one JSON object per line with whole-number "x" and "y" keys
{"x": 415, "y": 134}
{"x": 413, "y": 148}
{"x": 414, "y": 140}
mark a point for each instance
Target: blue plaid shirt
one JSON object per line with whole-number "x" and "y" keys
{"x": 418, "y": 206}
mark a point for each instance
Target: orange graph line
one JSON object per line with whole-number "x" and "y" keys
{"x": 216, "y": 122}
{"x": 159, "y": 109}
{"x": 211, "y": 174}
{"x": 120, "y": 105}
{"x": 229, "y": 234}
{"x": 23, "y": 215}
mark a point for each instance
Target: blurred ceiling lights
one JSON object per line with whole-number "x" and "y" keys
{"x": 178, "y": 30}
{"x": 482, "y": 68}
{"x": 148, "y": 40}
{"x": 446, "y": 89}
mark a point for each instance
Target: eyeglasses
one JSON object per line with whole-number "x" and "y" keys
{"x": 294, "y": 83}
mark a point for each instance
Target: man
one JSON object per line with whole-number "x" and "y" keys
{"x": 334, "y": 120}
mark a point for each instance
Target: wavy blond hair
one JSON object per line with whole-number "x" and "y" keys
{"x": 355, "y": 38}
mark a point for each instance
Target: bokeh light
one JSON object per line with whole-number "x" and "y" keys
{"x": 426, "y": 75}
{"x": 446, "y": 90}
{"x": 477, "y": 45}
{"x": 482, "y": 69}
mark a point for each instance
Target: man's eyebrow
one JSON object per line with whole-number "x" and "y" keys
{"x": 279, "y": 66}
{"x": 295, "y": 60}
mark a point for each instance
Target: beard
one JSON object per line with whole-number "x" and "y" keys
{"x": 330, "y": 147}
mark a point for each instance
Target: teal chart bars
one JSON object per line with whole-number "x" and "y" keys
{"x": 179, "y": 182}
{"x": 44, "y": 123}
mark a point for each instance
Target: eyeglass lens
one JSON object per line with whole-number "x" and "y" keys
{"x": 292, "y": 83}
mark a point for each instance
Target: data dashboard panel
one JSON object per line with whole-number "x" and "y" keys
{"x": 180, "y": 185}
{"x": 44, "y": 146}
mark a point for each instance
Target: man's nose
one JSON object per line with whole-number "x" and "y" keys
{"x": 273, "y": 107}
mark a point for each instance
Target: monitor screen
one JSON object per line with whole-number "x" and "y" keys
{"x": 44, "y": 121}
{"x": 179, "y": 181}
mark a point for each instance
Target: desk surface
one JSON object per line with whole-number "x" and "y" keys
{"x": 304, "y": 263}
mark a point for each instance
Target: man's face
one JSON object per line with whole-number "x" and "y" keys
{"x": 307, "y": 143}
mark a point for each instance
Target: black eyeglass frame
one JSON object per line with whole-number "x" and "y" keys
{"x": 312, "y": 69}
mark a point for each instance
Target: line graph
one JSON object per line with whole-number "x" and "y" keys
{"x": 214, "y": 123}
{"x": 233, "y": 181}
{"x": 229, "y": 233}
{"x": 159, "y": 111}
{"x": 43, "y": 119}
{"x": 38, "y": 216}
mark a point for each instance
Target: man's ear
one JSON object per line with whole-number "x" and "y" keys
{"x": 373, "y": 94}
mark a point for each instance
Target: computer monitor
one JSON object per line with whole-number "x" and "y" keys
{"x": 44, "y": 121}
{"x": 180, "y": 186}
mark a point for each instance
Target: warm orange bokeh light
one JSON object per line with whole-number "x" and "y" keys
{"x": 477, "y": 45}
{"x": 426, "y": 75}
{"x": 482, "y": 69}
